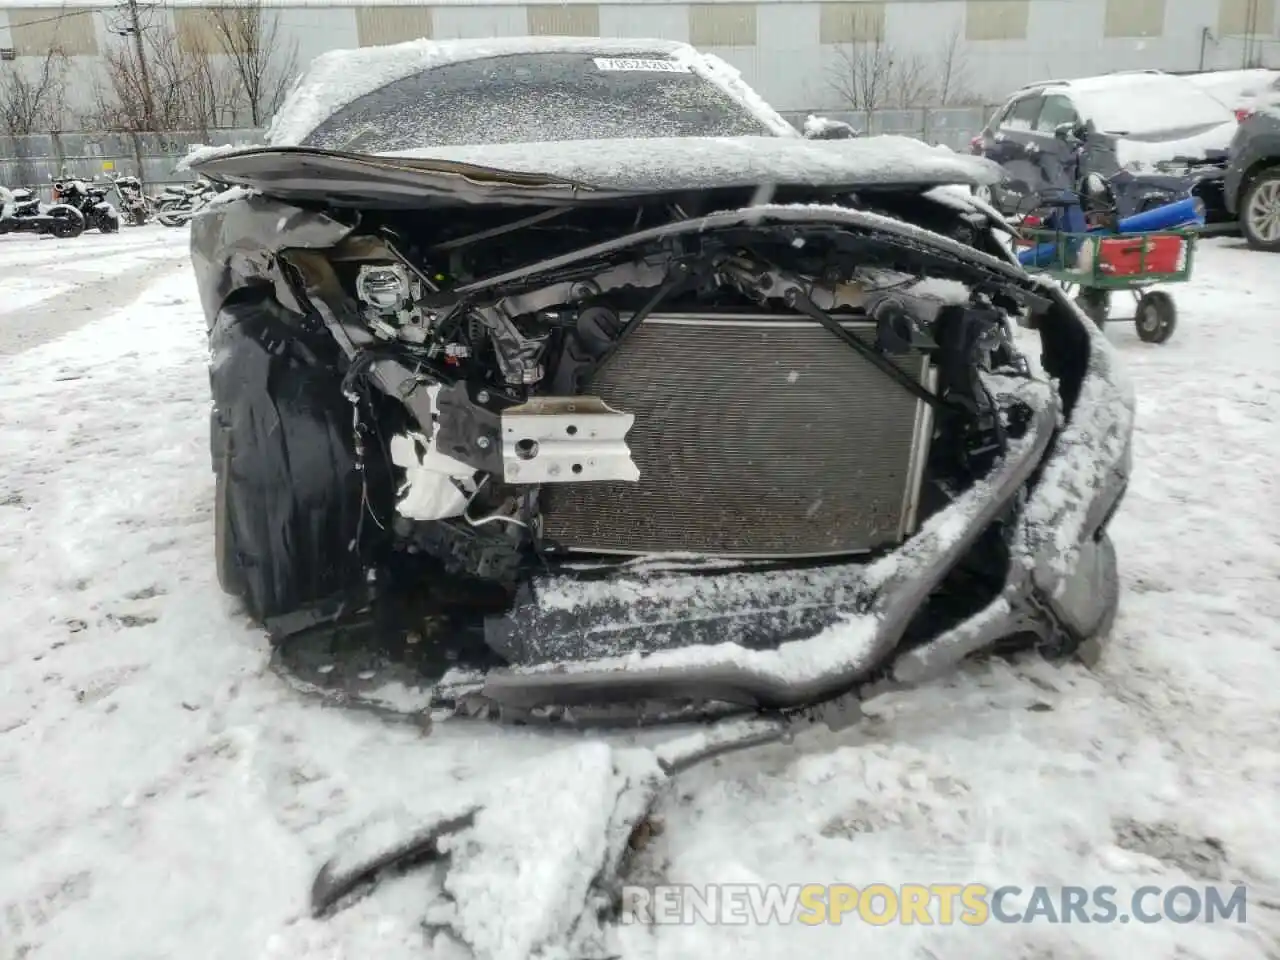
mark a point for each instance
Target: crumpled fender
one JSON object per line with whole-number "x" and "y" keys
{"x": 1060, "y": 530}
{"x": 234, "y": 245}
{"x": 282, "y": 446}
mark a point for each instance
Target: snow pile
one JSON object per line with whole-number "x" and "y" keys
{"x": 523, "y": 880}
{"x": 815, "y": 126}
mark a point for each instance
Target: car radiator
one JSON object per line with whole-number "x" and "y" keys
{"x": 756, "y": 437}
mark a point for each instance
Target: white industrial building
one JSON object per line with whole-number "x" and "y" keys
{"x": 786, "y": 48}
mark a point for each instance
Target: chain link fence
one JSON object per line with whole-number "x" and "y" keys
{"x": 35, "y": 161}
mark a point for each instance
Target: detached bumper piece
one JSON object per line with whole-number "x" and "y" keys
{"x": 764, "y": 640}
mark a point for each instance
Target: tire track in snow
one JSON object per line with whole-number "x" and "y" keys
{"x": 62, "y": 313}
{"x": 48, "y": 252}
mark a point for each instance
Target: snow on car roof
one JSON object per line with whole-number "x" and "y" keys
{"x": 339, "y": 77}
{"x": 1232, "y": 86}
{"x": 1144, "y": 102}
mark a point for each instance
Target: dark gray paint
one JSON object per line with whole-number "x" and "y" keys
{"x": 1255, "y": 147}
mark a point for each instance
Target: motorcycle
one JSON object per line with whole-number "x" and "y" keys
{"x": 22, "y": 212}
{"x": 91, "y": 200}
{"x": 182, "y": 202}
{"x": 133, "y": 201}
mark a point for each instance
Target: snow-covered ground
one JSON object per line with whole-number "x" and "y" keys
{"x": 163, "y": 794}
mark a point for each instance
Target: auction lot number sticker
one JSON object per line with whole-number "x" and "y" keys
{"x": 644, "y": 66}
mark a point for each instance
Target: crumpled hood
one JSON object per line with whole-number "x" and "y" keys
{"x": 598, "y": 167}
{"x": 691, "y": 163}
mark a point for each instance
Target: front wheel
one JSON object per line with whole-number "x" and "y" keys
{"x": 1260, "y": 212}
{"x": 1156, "y": 317}
{"x": 288, "y": 492}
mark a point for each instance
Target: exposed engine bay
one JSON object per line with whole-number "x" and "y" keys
{"x": 492, "y": 334}
{"x": 640, "y": 425}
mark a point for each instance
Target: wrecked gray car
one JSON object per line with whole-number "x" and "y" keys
{"x": 664, "y": 405}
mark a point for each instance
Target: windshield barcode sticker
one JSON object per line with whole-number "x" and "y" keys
{"x": 649, "y": 66}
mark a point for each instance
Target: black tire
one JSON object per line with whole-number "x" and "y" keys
{"x": 66, "y": 229}
{"x": 287, "y": 492}
{"x": 68, "y": 223}
{"x": 1095, "y": 304}
{"x": 1156, "y": 317}
{"x": 107, "y": 225}
{"x": 1260, "y": 211}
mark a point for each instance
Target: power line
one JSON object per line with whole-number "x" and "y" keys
{"x": 61, "y": 16}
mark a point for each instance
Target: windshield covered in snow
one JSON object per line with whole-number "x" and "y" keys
{"x": 1148, "y": 104}
{"x": 536, "y": 98}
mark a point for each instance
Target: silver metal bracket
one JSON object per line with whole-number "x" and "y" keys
{"x": 566, "y": 440}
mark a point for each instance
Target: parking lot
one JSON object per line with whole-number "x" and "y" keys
{"x": 163, "y": 794}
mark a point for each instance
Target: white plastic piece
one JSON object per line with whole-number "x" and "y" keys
{"x": 429, "y": 491}
{"x": 566, "y": 440}
{"x": 435, "y": 486}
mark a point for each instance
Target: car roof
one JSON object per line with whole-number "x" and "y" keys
{"x": 1234, "y": 85}
{"x": 1091, "y": 84}
{"x": 1138, "y": 101}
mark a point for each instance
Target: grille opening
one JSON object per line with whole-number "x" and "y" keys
{"x": 756, "y": 436}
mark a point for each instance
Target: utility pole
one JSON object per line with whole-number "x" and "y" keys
{"x": 1250, "y": 31}
{"x": 134, "y": 29}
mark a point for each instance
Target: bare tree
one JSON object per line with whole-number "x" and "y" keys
{"x": 263, "y": 66}
{"x": 872, "y": 75}
{"x": 911, "y": 81}
{"x": 861, "y": 75}
{"x": 188, "y": 90}
{"x": 33, "y": 101}
{"x": 953, "y": 83}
